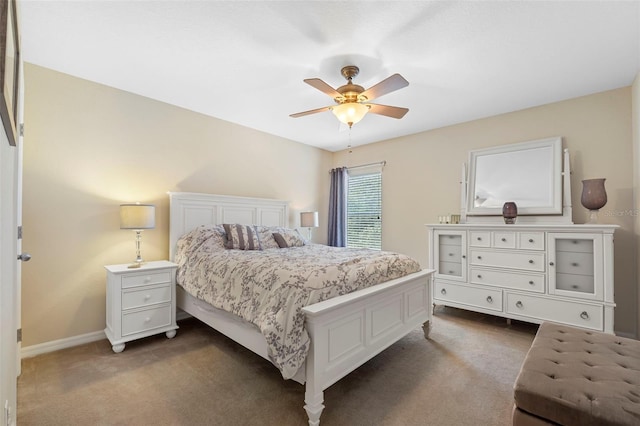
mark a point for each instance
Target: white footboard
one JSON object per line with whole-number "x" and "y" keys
{"x": 349, "y": 330}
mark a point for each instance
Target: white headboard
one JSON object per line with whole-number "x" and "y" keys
{"x": 189, "y": 210}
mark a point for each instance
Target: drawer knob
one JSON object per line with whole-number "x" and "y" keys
{"x": 147, "y": 319}
{"x": 584, "y": 315}
{"x": 530, "y": 240}
{"x": 489, "y": 299}
{"x": 147, "y": 297}
{"x": 551, "y": 263}
{"x": 450, "y": 254}
{"x": 504, "y": 240}
{"x": 479, "y": 238}
{"x": 479, "y": 257}
{"x": 464, "y": 257}
{"x": 443, "y": 291}
{"x": 479, "y": 276}
{"x": 530, "y": 260}
{"x": 531, "y": 282}
{"x": 519, "y": 304}
{"x": 451, "y": 272}
{"x": 574, "y": 264}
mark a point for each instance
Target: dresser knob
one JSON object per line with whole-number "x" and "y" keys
{"x": 450, "y": 254}
{"x": 479, "y": 276}
{"x": 519, "y": 304}
{"x": 530, "y": 240}
{"x": 450, "y": 272}
{"x": 574, "y": 264}
{"x": 479, "y": 239}
{"x": 584, "y": 315}
{"x": 504, "y": 239}
{"x": 530, "y": 261}
{"x": 531, "y": 282}
{"x": 551, "y": 263}
{"x": 479, "y": 257}
{"x": 464, "y": 257}
{"x": 489, "y": 299}
{"x": 443, "y": 291}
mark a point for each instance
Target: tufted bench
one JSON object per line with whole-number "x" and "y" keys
{"x": 572, "y": 376}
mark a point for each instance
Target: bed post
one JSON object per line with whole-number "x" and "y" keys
{"x": 313, "y": 395}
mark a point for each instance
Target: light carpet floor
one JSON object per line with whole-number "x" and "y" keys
{"x": 462, "y": 375}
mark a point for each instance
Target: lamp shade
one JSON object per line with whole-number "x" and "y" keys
{"x": 137, "y": 216}
{"x": 350, "y": 112}
{"x": 309, "y": 219}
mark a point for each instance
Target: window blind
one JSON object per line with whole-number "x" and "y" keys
{"x": 364, "y": 211}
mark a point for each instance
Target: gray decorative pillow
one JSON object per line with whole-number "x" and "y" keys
{"x": 241, "y": 237}
{"x": 265, "y": 236}
{"x": 288, "y": 238}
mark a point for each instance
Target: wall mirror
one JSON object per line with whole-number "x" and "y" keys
{"x": 528, "y": 173}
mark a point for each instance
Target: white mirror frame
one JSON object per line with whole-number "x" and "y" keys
{"x": 553, "y": 209}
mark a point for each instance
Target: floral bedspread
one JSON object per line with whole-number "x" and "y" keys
{"x": 269, "y": 287}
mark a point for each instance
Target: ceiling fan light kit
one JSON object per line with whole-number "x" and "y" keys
{"x": 352, "y": 99}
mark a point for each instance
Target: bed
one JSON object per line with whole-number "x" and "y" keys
{"x": 344, "y": 331}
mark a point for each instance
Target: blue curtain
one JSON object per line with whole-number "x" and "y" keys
{"x": 338, "y": 208}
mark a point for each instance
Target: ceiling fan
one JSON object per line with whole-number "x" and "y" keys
{"x": 353, "y": 100}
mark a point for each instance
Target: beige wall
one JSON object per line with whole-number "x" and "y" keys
{"x": 89, "y": 148}
{"x": 423, "y": 171}
{"x": 635, "y": 118}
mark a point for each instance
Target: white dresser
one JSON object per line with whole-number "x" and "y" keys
{"x": 530, "y": 272}
{"x": 140, "y": 302}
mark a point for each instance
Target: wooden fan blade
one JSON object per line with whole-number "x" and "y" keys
{"x": 311, "y": 111}
{"x": 387, "y": 85}
{"x": 323, "y": 87}
{"x": 389, "y": 111}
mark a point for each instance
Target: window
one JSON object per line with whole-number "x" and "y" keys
{"x": 364, "y": 210}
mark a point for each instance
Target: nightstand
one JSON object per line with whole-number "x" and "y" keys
{"x": 140, "y": 302}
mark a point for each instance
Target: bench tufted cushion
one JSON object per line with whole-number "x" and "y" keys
{"x": 572, "y": 376}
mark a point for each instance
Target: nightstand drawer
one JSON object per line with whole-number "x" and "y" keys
{"x": 146, "y": 296}
{"x": 146, "y": 279}
{"x": 138, "y": 321}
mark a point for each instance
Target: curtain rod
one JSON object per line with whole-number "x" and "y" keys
{"x": 380, "y": 163}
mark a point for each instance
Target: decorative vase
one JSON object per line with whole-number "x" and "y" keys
{"x": 509, "y": 212}
{"x": 594, "y": 197}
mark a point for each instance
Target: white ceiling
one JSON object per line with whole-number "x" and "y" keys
{"x": 244, "y": 62}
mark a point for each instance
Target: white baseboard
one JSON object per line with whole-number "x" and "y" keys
{"x": 55, "y": 345}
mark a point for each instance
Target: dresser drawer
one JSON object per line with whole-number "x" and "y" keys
{"x": 146, "y": 296}
{"x": 450, "y": 268}
{"x": 525, "y": 261}
{"x": 450, "y": 253}
{"x": 566, "y": 312}
{"x": 574, "y": 263}
{"x": 480, "y": 239}
{"x": 467, "y": 295}
{"x": 136, "y": 280}
{"x": 529, "y": 282}
{"x": 531, "y": 240}
{"x": 504, "y": 240}
{"x": 148, "y": 319}
{"x": 576, "y": 283}
{"x": 574, "y": 245}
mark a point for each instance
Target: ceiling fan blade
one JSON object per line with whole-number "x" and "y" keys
{"x": 387, "y": 85}
{"x": 312, "y": 111}
{"x": 389, "y": 111}
{"x": 323, "y": 87}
